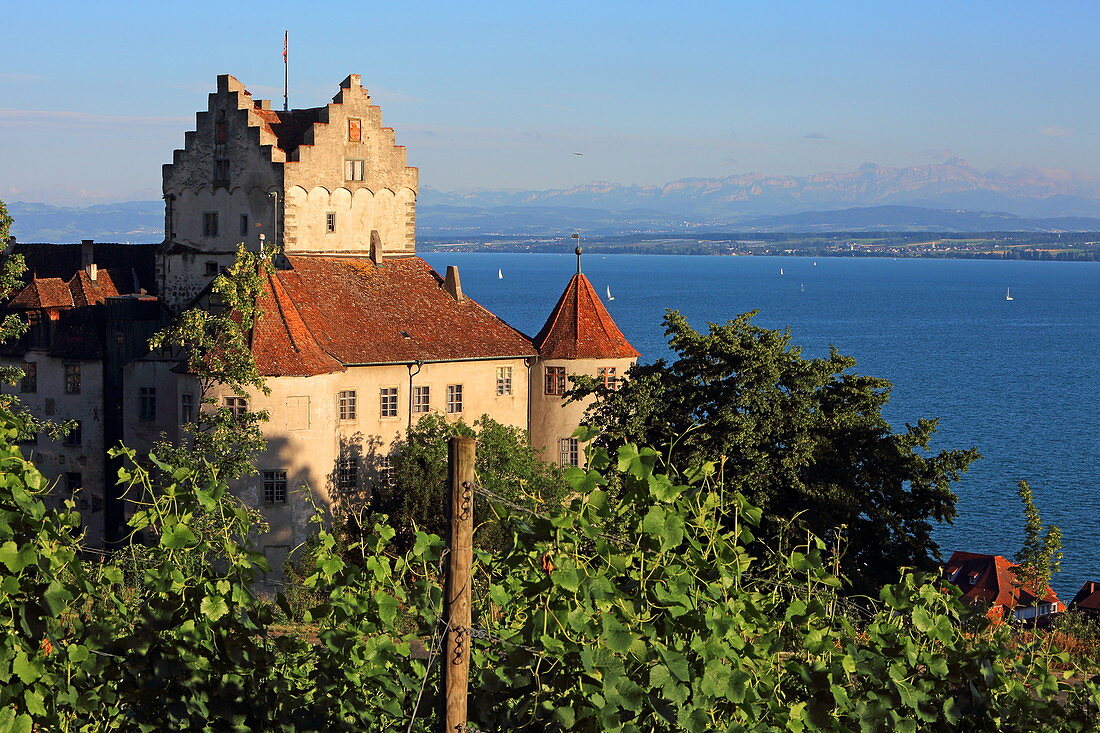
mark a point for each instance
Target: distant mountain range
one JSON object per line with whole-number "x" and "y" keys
{"x": 948, "y": 197}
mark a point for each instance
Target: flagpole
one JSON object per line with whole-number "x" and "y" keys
{"x": 286, "y": 73}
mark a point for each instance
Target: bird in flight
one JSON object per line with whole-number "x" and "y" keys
{"x": 578, "y": 153}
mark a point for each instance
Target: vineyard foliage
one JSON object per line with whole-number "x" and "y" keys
{"x": 638, "y": 614}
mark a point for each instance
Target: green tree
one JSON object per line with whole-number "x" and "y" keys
{"x": 13, "y": 270}
{"x": 802, "y": 438}
{"x": 213, "y": 342}
{"x": 507, "y": 465}
{"x": 1041, "y": 555}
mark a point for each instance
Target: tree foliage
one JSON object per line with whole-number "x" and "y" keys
{"x": 802, "y": 438}
{"x": 507, "y": 465}
{"x": 213, "y": 342}
{"x": 673, "y": 625}
{"x": 1041, "y": 555}
{"x": 669, "y": 625}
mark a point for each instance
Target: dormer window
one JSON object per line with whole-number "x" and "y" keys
{"x": 355, "y": 130}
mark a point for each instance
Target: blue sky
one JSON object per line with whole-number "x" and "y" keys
{"x": 94, "y": 97}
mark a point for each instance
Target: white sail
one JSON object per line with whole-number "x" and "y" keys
{"x": 1008, "y": 293}
{"x": 500, "y": 274}
{"x": 780, "y": 270}
{"x": 609, "y": 295}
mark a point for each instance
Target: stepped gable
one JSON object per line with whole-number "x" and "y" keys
{"x": 580, "y": 327}
{"x": 326, "y": 313}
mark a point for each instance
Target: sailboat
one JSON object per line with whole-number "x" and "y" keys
{"x": 500, "y": 274}
{"x": 802, "y": 287}
{"x": 1008, "y": 293}
{"x": 815, "y": 263}
{"x": 780, "y": 270}
{"x": 609, "y": 295}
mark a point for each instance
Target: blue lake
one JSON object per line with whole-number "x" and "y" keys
{"x": 1017, "y": 379}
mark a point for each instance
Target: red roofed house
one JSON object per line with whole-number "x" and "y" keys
{"x": 990, "y": 581}
{"x": 359, "y": 337}
{"x": 579, "y": 337}
{"x": 75, "y": 294}
{"x": 1087, "y": 600}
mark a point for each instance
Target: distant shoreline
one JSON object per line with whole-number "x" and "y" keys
{"x": 1000, "y": 246}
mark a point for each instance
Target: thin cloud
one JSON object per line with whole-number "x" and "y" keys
{"x": 67, "y": 117}
{"x": 1056, "y": 131}
{"x": 9, "y": 76}
{"x": 815, "y": 135}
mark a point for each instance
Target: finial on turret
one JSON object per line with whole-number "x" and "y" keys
{"x": 578, "y": 251}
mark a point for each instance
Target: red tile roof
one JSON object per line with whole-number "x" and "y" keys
{"x": 581, "y": 328}
{"x": 326, "y": 313}
{"x": 45, "y": 292}
{"x": 1088, "y": 598}
{"x": 991, "y": 580}
{"x": 87, "y": 291}
{"x": 289, "y": 126}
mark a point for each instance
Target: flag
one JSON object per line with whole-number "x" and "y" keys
{"x": 285, "y": 34}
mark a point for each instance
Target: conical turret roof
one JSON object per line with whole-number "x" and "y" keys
{"x": 581, "y": 328}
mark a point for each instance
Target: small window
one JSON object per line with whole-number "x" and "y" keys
{"x": 388, "y": 399}
{"x": 74, "y": 482}
{"x": 29, "y": 383}
{"x": 330, "y": 222}
{"x": 422, "y": 399}
{"x": 221, "y": 129}
{"x": 569, "y": 452}
{"x": 555, "y": 380}
{"x": 347, "y": 473}
{"x": 237, "y": 406}
{"x": 353, "y": 170}
{"x": 454, "y": 398}
{"x": 72, "y": 379}
{"x": 346, "y": 402}
{"x": 355, "y": 130}
{"x": 221, "y": 172}
{"x": 187, "y": 408}
{"x": 147, "y": 404}
{"x": 385, "y": 470}
{"x": 210, "y": 224}
{"x": 244, "y": 225}
{"x": 211, "y": 268}
{"x": 73, "y": 438}
{"x": 608, "y": 377}
{"x": 504, "y": 380}
{"x": 275, "y": 487}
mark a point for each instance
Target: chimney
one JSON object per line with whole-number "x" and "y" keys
{"x": 87, "y": 258}
{"x": 375, "y": 247}
{"x": 453, "y": 284}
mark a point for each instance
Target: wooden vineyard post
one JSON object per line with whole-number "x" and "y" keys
{"x": 456, "y": 599}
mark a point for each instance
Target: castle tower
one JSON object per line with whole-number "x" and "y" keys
{"x": 579, "y": 337}
{"x": 323, "y": 180}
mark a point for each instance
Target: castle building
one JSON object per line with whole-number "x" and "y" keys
{"x": 358, "y": 337}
